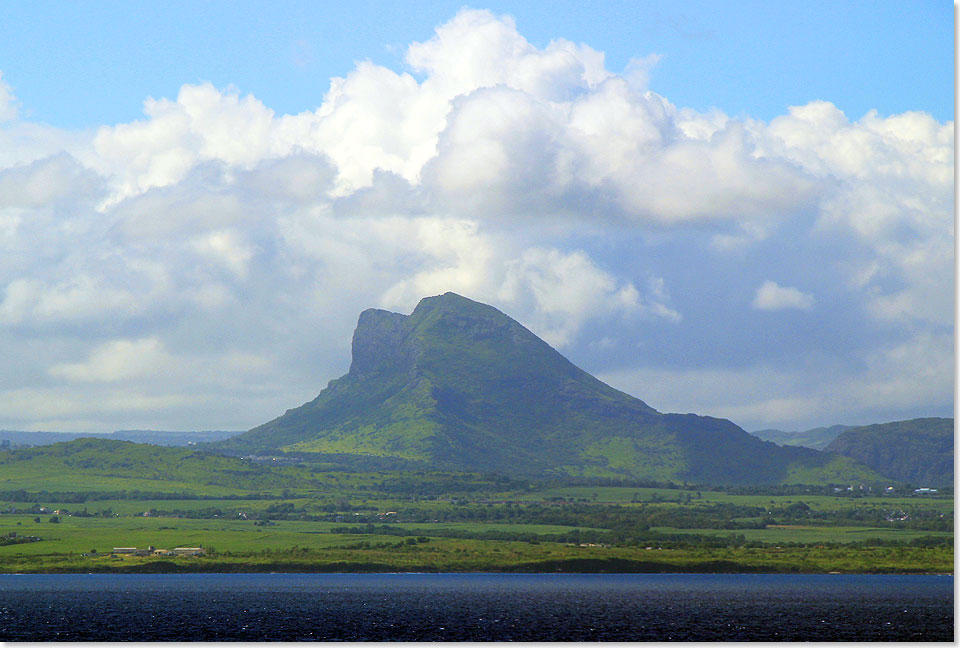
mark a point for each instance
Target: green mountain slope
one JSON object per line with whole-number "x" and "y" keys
{"x": 816, "y": 438}
{"x": 459, "y": 385}
{"x": 918, "y": 451}
{"x": 105, "y": 465}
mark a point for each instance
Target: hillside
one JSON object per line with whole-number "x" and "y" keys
{"x": 918, "y": 451}
{"x": 105, "y": 465}
{"x": 816, "y": 438}
{"x": 459, "y": 385}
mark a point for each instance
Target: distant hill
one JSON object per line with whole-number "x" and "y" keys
{"x": 918, "y": 451}
{"x": 156, "y": 437}
{"x": 816, "y": 438}
{"x": 87, "y": 464}
{"x": 168, "y": 438}
{"x": 459, "y": 385}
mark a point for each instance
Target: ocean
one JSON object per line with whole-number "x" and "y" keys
{"x": 475, "y": 607}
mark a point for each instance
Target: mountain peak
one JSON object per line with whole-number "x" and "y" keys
{"x": 450, "y": 302}
{"x": 388, "y": 341}
{"x": 448, "y": 297}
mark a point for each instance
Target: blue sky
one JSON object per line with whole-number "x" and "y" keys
{"x": 741, "y": 209}
{"x": 87, "y": 64}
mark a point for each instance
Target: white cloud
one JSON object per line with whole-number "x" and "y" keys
{"x": 202, "y": 124}
{"x": 562, "y": 291}
{"x": 477, "y": 49}
{"x": 496, "y": 124}
{"x": 772, "y": 296}
{"x": 578, "y": 201}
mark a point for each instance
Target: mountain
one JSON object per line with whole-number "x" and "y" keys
{"x": 816, "y": 438}
{"x": 156, "y": 437}
{"x": 918, "y": 451}
{"x": 459, "y": 385}
{"x": 170, "y": 438}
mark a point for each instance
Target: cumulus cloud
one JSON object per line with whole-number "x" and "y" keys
{"x": 496, "y": 125}
{"x": 204, "y": 265}
{"x": 772, "y": 296}
{"x": 202, "y": 124}
{"x": 562, "y": 291}
{"x": 477, "y": 49}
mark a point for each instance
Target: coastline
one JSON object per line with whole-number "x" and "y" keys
{"x": 571, "y": 566}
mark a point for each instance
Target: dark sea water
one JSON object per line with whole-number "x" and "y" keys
{"x": 475, "y": 607}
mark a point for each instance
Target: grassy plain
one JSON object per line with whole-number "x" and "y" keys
{"x": 80, "y": 535}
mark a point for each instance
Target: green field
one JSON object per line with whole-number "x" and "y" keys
{"x": 79, "y": 535}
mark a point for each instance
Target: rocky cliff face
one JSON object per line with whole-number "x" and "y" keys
{"x": 379, "y": 344}
{"x": 459, "y": 385}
